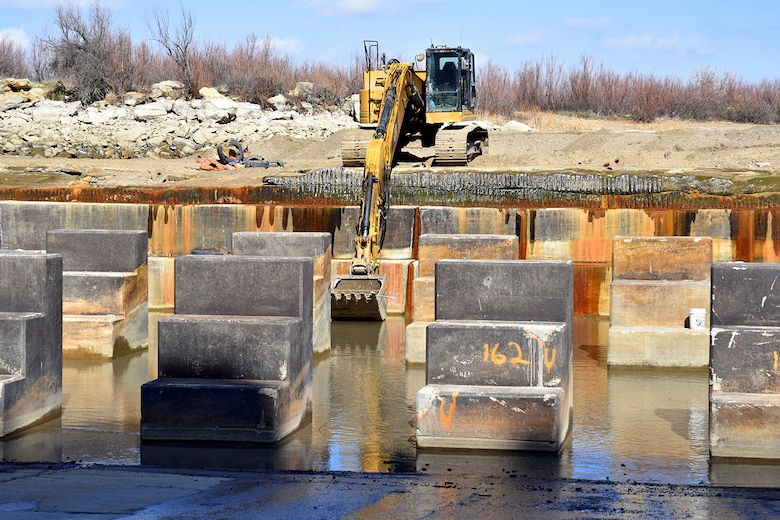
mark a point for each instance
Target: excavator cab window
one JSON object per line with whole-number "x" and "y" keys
{"x": 444, "y": 82}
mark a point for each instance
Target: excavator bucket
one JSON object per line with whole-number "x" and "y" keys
{"x": 358, "y": 298}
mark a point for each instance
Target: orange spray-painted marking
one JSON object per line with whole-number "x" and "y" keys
{"x": 519, "y": 359}
{"x": 549, "y": 362}
{"x": 446, "y": 418}
{"x": 776, "y": 362}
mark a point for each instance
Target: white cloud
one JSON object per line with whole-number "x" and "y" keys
{"x": 287, "y": 45}
{"x": 674, "y": 43}
{"x": 525, "y": 39}
{"x": 16, "y": 35}
{"x": 600, "y": 22}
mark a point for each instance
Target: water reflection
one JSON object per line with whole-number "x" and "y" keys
{"x": 643, "y": 425}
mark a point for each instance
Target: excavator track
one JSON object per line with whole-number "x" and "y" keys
{"x": 457, "y": 145}
{"x": 353, "y": 147}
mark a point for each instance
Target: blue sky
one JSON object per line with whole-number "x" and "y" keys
{"x": 661, "y": 37}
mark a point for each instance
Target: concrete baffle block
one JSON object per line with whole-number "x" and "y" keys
{"x": 105, "y": 290}
{"x": 435, "y": 247}
{"x": 235, "y": 360}
{"x": 316, "y": 246}
{"x": 658, "y": 283}
{"x": 745, "y": 294}
{"x": 30, "y": 339}
{"x": 661, "y": 258}
{"x": 499, "y": 356}
{"x": 432, "y": 248}
{"x": 527, "y": 290}
{"x": 744, "y": 361}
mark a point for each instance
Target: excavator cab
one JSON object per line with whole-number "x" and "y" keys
{"x": 450, "y": 84}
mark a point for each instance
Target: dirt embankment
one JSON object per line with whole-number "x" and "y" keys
{"x": 737, "y": 151}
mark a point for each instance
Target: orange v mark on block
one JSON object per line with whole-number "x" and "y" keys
{"x": 549, "y": 362}
{"x": 446, "y": 418}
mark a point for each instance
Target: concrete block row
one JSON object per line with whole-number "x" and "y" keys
{"x": 662, "y": 258}
{"x": 657, "y": 303}
{"x": 224, "y": 410}
{"x": 492, "y": 417}
{"x": 658, "y": 346}
{"x": 745, "y": 294}
{"x": 102, "y": 250}
{"x": 504, "y": 290}
{"x": 432, "y": 248}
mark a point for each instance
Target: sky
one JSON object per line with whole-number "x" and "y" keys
{"x": 660, "y": 37}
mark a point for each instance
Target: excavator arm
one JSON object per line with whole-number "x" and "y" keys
{"x": 361, "y": 295}
{"x": 402, "y": 99}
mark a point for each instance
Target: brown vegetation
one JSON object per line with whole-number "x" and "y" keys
{"x": 94, "y": 57}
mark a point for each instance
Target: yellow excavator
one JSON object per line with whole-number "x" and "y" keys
{"x": 402, "y": 103}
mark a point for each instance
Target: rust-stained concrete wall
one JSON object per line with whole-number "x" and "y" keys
{"x": 578, "y": 234}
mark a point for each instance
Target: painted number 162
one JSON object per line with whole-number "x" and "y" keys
{"x": 498, "y": 359}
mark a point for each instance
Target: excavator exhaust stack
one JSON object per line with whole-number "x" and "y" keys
{"x": 358, "y": 298}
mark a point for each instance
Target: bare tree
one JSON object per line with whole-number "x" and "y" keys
{"x": 88, "y": 52}
{"x": 178, "y": 45}
{"x": 12, "y": 59}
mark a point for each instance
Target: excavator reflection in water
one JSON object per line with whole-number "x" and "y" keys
{"x": 436, "y": 106}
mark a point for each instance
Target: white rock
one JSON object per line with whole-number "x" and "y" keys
{"x": 149, "y": 111}
{"x": 249, "y": 111}
{"x": 168, "y": 89}
{"x": 218, "y": 109}
{"x": 91, "y": 116}
{"x": 128, "y": 136}
{"x": 516, "y": 126}
{"x": 210, "y": 93}
{"x": 54, "y": 111}
{"x": 184, "y": 110}
{"x": 279, "y": 102}
{"x": 11, "y": 100}
{"x": 134, "y": 98}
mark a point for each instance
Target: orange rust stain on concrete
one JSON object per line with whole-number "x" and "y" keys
{"x": 590, "y": 282}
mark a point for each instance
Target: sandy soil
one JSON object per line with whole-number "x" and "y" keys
{"x": 610, "y": 146}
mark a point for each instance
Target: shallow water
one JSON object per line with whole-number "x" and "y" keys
{"x": 628, "y": 425}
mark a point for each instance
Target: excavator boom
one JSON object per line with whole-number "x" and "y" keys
{"x": 362, "y": 294}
